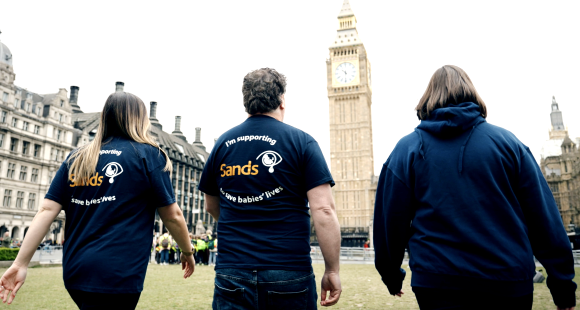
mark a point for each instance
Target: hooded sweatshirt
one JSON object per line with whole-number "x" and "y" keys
{"x": 471, "y": 204}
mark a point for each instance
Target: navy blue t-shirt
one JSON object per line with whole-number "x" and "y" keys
{"x": 262, "y": 170}
{"x": 109, "y": 220}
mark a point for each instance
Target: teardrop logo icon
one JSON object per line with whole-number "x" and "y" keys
{"x": 270, "y": 159}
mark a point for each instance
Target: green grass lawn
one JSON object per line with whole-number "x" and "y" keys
{"x": 166, "y": 289}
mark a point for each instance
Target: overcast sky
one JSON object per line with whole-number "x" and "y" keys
{"x": 191, "y": 57}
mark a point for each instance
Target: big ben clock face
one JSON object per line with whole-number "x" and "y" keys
{"x": 345, "y": 72}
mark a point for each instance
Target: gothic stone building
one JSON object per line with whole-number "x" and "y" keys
{"x": 188, "y": 160}
{"x": 560, "y": 165}
{"x": 36, "y": 134}
{"x": 348, "y": 71}
{"x": 38, "y": 131}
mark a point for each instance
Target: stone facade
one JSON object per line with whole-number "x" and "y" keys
{"x": 560, "y": 165}
{"x": 36, "y": 134}
{"x": 351, "y": 138}
{"x": 188, "y": 160}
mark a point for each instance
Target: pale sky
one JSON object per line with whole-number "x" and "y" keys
{"x": 191, "y": 57}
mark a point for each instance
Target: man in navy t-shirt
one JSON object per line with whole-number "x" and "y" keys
{"x": 260, "y": 182}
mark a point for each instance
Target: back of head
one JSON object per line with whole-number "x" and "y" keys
{"x": 124, "y": 115}
{"x": 262, "y": 90}
{"x": 448, "y": 85}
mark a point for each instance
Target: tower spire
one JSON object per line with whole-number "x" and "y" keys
{"x": 346, "y": 34}
{"x": 345, "y": 11}
{"x": 558, "y": 129}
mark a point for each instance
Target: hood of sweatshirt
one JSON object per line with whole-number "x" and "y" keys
{"x": 451, "y": 121}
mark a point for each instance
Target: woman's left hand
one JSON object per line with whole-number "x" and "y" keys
{"x": 11, "y": 282}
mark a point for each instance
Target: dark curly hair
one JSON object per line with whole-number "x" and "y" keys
{"x": 262, "y": 90}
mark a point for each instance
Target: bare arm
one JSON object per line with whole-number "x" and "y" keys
{"x": 212, "y": 206}
{"x": 14, "y": 277}
{"x": 328, "y": 233}
{"x": 173, "y": 219}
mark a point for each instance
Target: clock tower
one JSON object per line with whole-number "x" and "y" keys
{"x": 351, "y": 140}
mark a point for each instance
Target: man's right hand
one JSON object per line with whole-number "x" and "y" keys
{"x": 331, "y": 284}
{"x": 187, "y": 264}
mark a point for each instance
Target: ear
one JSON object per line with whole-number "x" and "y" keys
{"x": 283, "y": 103}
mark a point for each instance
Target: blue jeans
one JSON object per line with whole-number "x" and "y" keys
{"x": 164, "y": 256}
{"x": 212, "y": 257}
{"x": 264, "y": 289}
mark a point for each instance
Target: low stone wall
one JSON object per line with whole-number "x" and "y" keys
{"x": 8, "y": 263}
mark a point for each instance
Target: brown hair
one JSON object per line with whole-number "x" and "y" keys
{"x": 262, "y": 90}
{"x": 124, "y": 115}
{"x": 448, "y": 85}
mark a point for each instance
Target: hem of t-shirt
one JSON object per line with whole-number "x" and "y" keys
{"x": 320, "y": 182}
{"x": 265, "y": 267}
{"x": 167, "y": 202}
{"x": 53, "y": 198}
{"x": 203, "y": 189}
{"x": 94, "y": 289}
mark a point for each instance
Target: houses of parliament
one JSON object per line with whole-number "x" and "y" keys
{"x": 38, "y": 131}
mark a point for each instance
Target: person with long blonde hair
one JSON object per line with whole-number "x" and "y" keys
{"x": 109, "y": 190}
{"x": 470, "y": 202}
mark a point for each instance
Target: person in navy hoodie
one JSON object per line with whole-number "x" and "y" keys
{"x": 109, "y": 190}
{"x": 469, "y": 201}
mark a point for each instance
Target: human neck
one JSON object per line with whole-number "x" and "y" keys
{"x": 276, "y": 114}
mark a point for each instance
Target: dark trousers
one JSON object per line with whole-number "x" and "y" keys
{"x": 206, "y": 257}
{"x": 171, "y": 256}
{"x": 264, "y": 289}
{"x": 201, "y": 256}
{"x": 88, "y": 300}
{"x": 441, "y": 299}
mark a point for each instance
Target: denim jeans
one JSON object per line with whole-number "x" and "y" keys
{"x": 212, "y": 257}
{"x": 264, "y": 289}
{"x": 164, "y": 256}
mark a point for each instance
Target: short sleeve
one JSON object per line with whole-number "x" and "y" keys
{"x": 58, "y": 190}
{"x": 160, "y": 181}
{"x": 161, "y": 187}
{"x": 208, "y": 182}
{"x": 315, "y": 169}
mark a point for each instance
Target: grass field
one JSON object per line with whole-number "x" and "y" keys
{"x": 165, "y": 289}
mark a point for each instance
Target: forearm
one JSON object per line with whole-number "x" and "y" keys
{"x": 328, "y": 234}
{"x": 176, "y": 225}
{"x": 212, "y": 206}
{"x": 37, "y": 230}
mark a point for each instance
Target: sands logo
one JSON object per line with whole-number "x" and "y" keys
{"x": 95, "y": 180}
{"x": 228, "y": 171}
{"x": 112, "y": 170}
{"x": 270, "y": 159}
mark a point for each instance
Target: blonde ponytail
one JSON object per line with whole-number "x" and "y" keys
{"x": 123, "y": 114}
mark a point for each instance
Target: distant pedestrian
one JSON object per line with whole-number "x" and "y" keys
{"x": 471, "y": 203}
{"x": 202, "y": 249}
{"x": 6, "y": 240}
{"x": 110, "y": 190}
{"x": 165, "y": 243}
{"x": 213, "y": 251}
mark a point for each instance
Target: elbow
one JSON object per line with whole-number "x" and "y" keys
{"x": 325, "y": 210}
{"x": 211, "y": 209}
{"x": 175, "y": 216}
